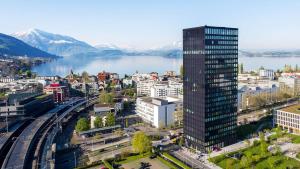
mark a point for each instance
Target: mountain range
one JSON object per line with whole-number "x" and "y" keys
{"x": 45, "y": 44}
{"x": 12, "y": 47}
{"x": 67, "y": 46}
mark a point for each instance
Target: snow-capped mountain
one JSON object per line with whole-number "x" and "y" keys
{"x": 54, "y": 43}
{"x": 107, "y": 46}
{"x": 62, "y": 45}
{"x": 12, "y": 47}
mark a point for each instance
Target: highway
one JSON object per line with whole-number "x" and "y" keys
{"x": 22, "y": 151}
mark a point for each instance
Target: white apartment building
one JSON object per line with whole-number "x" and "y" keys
{"x": 159, "y": 88}
{"x": 290, "y": 84}
{"x": 288, "y": 118}
{"x": 266, "y": 73}
{"x": 156, "y": 111}
{"x": 140, "y": 77}
{"x": 143, "y": 88}
{"x": 127, "y": 82}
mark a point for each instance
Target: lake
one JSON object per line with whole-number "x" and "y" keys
{"x": 145, "y": 64}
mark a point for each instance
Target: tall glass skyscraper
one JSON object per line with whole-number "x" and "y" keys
{"x": 210, "y": 64}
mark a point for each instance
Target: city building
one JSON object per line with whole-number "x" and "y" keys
{"x": 100, "y": 110}
{"x": 127, "y": 82}
{"x": 169, "y": 88}
{"x": 59, "y": 92}
{"x": 266, "y": 73}
{"x": 210, "y": 64}
{"x": 290, "y": 84}
{"x": 156, "y": 111}
{"x": 170, "y": 73}
{"x": 288, "y": 118}
{"x": 247, "y": 92}
{"x": 24, "y": 104}
{"x": 143, "y": 88}
{"x": 102, "y": 76}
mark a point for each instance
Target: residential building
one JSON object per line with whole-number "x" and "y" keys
{"x": 127, "y": 82}
{"x": 169, "y": 88}
{"x": 170, "y": 73}
{"x": 143, "y": 88}
{"x": 102, "y": 76}
{"x": 156, "y": 111}
{"x": 268, "y": 90}
{"x": 210, "y": 63}
{"x": 290, "y": 84}
{"x": 288, "y": 118}
{"x": 266, "y": 74}
{"x": 100, "y": 110}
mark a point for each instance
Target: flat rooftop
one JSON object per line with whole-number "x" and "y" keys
{"x": 292, "y": 109}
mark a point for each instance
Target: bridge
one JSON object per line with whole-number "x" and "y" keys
{"x": 32, "y": 149}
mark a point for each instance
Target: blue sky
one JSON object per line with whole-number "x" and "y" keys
{"x": 263, "y": 24}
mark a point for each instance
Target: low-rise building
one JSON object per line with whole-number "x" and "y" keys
{"x": 266, "y": 73}
{"x": 156, "y": 111}
{"x": 100, "y": 110}
{"x": 290, "y": 84}
{"x": 247, "y": 92}
{"x": 159, "y": 88}
{"x": 59, "y": 92}
{"x": 288, "y": 118}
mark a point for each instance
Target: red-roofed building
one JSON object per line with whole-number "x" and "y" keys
{"x": 60, "y": 93}
{"x": 102, "y": 76}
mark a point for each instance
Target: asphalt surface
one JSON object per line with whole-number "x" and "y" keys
{"x": 17, "y": 157}
{"x": 20, "y": 148}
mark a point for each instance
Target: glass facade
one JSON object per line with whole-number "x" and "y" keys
{"x": 210, "y": 62}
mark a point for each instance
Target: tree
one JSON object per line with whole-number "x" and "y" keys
{"x": 244, "y": 162}
{"x": 181, "y": 141}
{"x": 140, "y": 142}
{"x": 85, "y": 76}
{"x": 241, "y": 68}
{"x": 229, "y": 163}
{"x": 28, "y": 73}
{"x": 261, "y": 136}
{"x": 258, "y": 101}
{"x": 181, "y": 71}
{"x": 277, "y": 150}
{"x": 82, "y": 125}
{"x": 98, "y": 122}
{"x": 278, "y": 132}
{"x": 110, "y": 119}
{"x": 107, "y": 98}
{"x": 126, "y": 122}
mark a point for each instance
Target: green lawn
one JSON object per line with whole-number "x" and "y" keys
{"x": 252, "y": 156}
{"x": 295, "y": 138}
{"x": 133, "y": 158}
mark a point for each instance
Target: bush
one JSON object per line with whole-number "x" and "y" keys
{"x": 256, "y": 143}
{"x": 125, "y": 154}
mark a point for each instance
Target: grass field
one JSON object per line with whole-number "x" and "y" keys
{"x": 155, "y": 163}
{"x": 252, "y": 157}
